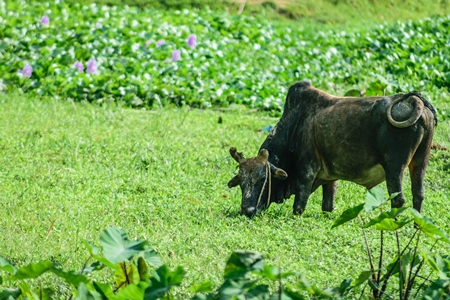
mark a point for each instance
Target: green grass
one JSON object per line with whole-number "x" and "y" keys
{"x": 161, "y": 175}
{"x": 336, "y": 12}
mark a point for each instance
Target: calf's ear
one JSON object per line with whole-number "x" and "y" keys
{"x": 233, "y": 182}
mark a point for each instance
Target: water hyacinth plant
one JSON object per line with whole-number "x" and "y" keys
{"x": 192, "y": 41}
{"x": 79, "y": 66}
{"x": 45, "y": 20}
{"x": 26, "y": 71}
{"x": 245, "y": 60}
{"x": 176, "y": 55}
{"x": 91, "y": 67}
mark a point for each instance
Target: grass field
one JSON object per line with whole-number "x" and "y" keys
{"x": 336, "y": 12}
{"x": 161, "y": 175}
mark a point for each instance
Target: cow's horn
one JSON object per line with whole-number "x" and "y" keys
{"x": 264, "y": 154}
{"x": 236, "y": 155}
{"x": 414, "y": 114}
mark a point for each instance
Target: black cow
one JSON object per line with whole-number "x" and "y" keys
{"x": 321, "y": 138}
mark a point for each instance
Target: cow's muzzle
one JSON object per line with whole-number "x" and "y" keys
{"x": 248, "y": 211}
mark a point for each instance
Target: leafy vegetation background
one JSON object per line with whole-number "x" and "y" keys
{"x": 237, "y": 59}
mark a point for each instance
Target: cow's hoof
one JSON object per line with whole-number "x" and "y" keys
{"x": 327, "y": 214}
{"x": 298, "y": 211}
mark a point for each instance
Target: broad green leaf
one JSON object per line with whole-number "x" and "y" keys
{"x": 13, "y": 293}
{"x": 126, "y": 274}
{"x": 83, "y": 293}
{"x": 242, "y": 262}
{"x": 96, "y": 266}
{"x": 374, "y": 198}
{"x": 45, "y": 293}
{"x": 348, "y": 215}
{"x": 117, "y": 247}
{"x": 385, "y": 215}
{"x": 363, "y": 277}
{"x": 271, "y": 273}
{"x": 260, "y": 292}
{"x": 393, "y": 267}
{"x": 439, "y": 264}
{"x": 153, "y": 258}
{"x": 132, "y": 292}
{"x": 155, "y": 292}
{"x": 390, "y": 224}
{"x": 70, "y": 277}
{"x": 104, "y": 261}
{"x": 231, "y": 288}
{"x": 143, "y": 270}
{"x": 32, "y": 270}
{"x": 162, "y": 281}
{"x": 166, "y": 277}
{"x": 204, "y": 297}
{"x": 437, "y": 290}
{"x": 93, "y": 250}
{"x": 345, "y": 286}
{"x": 104, "y": 290}
{"x": 5, "y": 265}
{"x": 427, "y": 226}
{"x": 203, "y": 287}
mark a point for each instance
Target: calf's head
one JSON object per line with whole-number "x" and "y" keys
{"x": 255, "y": 179}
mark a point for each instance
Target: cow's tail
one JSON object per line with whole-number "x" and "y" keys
{"x": 418, "y": 106}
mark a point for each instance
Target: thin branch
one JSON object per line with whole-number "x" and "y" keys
{"x": 124, "y": 267}
{"x": 85, "y": 264}
{"x": 410, "y": 282}
{"x": 380, "y": 264}
{"x": 372, "y": 268}
{"x": 400, "y": 273}
{"x": 418, "y": 269}
{"x": 389, "y": 273}
{"x": 421, "y": 285}
{"x": 362, "y": 292}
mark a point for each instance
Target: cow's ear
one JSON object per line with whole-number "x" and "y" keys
{"x": 236, "y": 155}
{"x": 280, "y": 174}
{"x": 233, "y": 182}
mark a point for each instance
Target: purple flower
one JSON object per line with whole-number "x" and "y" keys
{"x": 98, "y": 25}
{"x": 159, "y": 43}
{"x": 79, "y": 66}
{"x": 45, "y": 20}
{"x": 176, "y": 55}
{"x": 91, "y": 67}
{"x": 192, "y": 41}
{"x": 27, "y": 71}
{"x": 147, "y": 43}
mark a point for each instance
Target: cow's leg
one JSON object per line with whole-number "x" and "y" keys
{"x": 417, "y": 174}
{"x": 394, "y": 177}
{"x": 303, "y": 188}
{"x": 328, "y": 195}
{"x": 417, "y": 169}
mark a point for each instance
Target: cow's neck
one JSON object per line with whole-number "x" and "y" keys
{"x": 277, "y": 143}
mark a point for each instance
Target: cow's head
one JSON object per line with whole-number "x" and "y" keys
{"x": 255, "y": 179}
